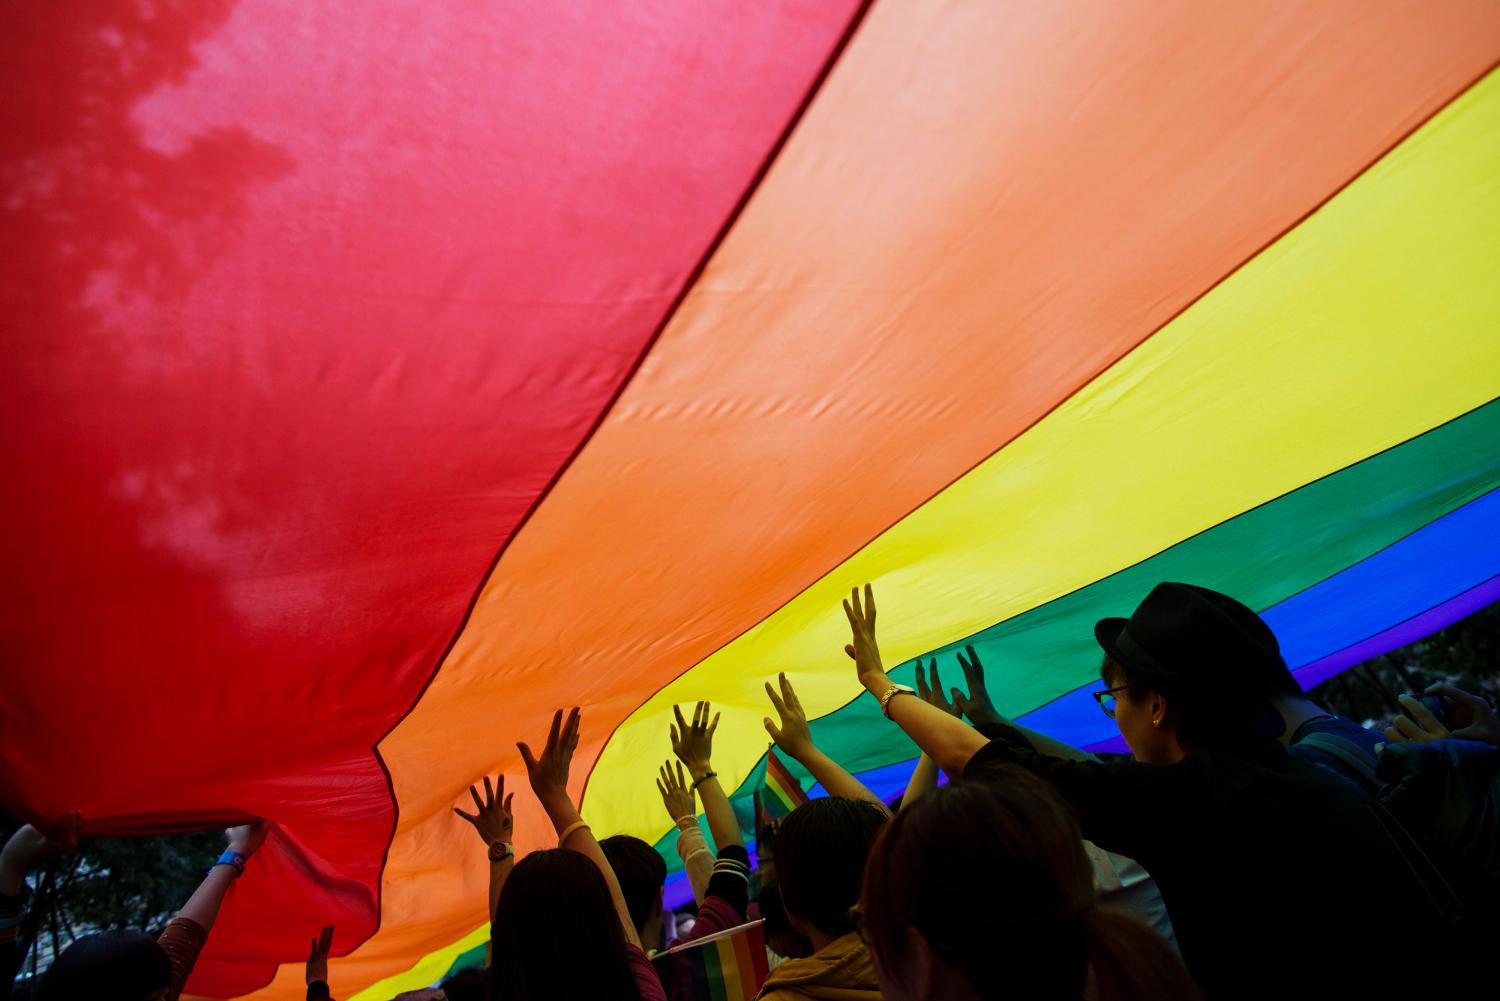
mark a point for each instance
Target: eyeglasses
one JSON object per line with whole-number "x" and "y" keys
{"x": 1107, "y": 700}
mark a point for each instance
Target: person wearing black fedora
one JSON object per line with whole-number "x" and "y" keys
{"x": 1278, "y": 875}
{"x": 1198, "y": 652}
{"x": 1252, "y": 664}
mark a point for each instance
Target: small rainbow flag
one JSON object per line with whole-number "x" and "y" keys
{"x": 729, "y": 966}
{"x": 782, "y": 793}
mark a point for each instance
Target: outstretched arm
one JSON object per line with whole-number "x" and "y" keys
{"x": 677, "y": 798}
{"x": 794, "y": 737}
{"x": 203, "y": 906}
{"x": 1119, "y": 804}
{"x": 495, "y": 825}
{"x": 549, "y": 780}
{"x": 187, "y": 933}
{"x": 948, "y": 740}
{"x": 726, "y": 895}
{"x": 693, "y": 744}
{"x": 28, "y": 848}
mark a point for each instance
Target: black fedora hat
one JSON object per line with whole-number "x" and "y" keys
{"x": 1196, "y": 644}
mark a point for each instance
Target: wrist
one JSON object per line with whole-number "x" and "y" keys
{"x": 698, "y": 768}
{"x": 232, "y": 860}
{"x": 802, "y": 753}
{"x": 554, "y": 801}
{"x": 563, "y": 817}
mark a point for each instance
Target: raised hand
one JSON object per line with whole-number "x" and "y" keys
{"x": 864, "y": 650}
{"x": 493, "y": 818}
{"x": 694, "y": 743}
{"x": 246, "y": 838}
{"x": 1418, "y": 726}
{"x": 549, "y": 773}
{"x": 932, "y": 693}
{"x": 676, "y": 794}
{"x": 317, "y": 956}
{"x": 1469, "y": 718}
{"x": 977, "y": 704}
{"x": 793, "y": 736}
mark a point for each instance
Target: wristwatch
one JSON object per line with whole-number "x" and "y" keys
{"x": 891, "y": 693}
{"x": 500, "y": 851}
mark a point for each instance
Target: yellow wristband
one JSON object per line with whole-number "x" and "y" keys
{"x": 569, "y": 830}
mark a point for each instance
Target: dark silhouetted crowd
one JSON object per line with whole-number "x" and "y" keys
{"x": 1252, "y": 845}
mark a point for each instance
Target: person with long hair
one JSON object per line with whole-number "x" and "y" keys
{"x": 982, "y": 890}
{"x": 1278, "y": 874}
{"x": 562, "y": 930}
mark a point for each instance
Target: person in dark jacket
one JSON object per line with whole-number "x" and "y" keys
{"x": 1278, "y": 875}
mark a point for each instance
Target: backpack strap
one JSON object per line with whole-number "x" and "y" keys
{"x": 1447, "y": 903}
{"x": 1346, "y": 752}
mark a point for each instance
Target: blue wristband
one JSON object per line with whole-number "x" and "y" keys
{"x": 235, "y": 859}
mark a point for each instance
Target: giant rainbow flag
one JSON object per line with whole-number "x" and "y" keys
{"x": 379, "y": 378}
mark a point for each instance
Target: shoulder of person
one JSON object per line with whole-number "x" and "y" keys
{"x": 780, "y": 994}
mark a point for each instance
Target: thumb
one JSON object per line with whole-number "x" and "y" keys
{"x": 527, "y": 757}
{"x": 771, "y": 729}
{"x": 849, "y": 649}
